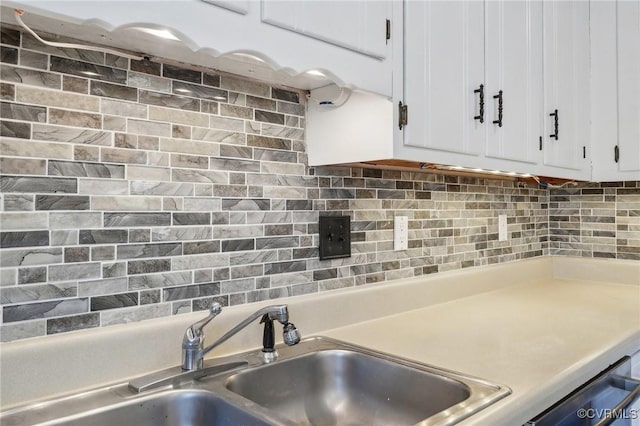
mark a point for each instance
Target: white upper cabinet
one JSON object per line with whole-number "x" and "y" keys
{"x": 443, "y": 66}
{"x": 629, "y": 86}
{"x": 566, "y": 87}
{"x": 356, "y": 25}
{"x": 615, "y": 85}
{"x": 514, "y": 77}
{"x": 345, "y": 40}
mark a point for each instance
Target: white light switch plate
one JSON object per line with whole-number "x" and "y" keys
{"x": 502, "y": 227}
{"x": 401, "y": 233}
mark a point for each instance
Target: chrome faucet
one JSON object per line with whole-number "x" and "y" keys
{"x": 193, "y": 350}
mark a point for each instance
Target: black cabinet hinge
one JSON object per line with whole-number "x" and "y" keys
{"x": 388, "y": 30}
{"x": 616, "y": 153}
{"x": 403, "y": 115}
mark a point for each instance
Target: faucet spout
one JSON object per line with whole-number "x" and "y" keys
{"x": 194, "y": 350}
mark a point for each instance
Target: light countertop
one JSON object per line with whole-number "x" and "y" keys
{"x": 541, "y": 327}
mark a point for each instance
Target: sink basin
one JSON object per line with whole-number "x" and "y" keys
{"x": 345, "y": 387}
{"x": 170, "y": 408}
{"x": 319, "y": 381}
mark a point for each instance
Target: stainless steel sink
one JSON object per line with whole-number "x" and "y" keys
{"x": 178, "y": 407}
{"x": 319, "y": 381}
{"x": 342, "y": 387}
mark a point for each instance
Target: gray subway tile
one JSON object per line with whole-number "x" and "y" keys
{"x": 73, "y": 323}
{"x": 24, "y": 239}
{"x": 85, "y": 169}
{"x": 171, "y": 71}
{"x": 82, "y": 69}
{"x": 80, "y": 271}
{"x": 30, "y": 311}
{"x": 62, "y": 202}
{"x": 114, "y": 301}
{"x": 14, "y": 129}
{"x": 136, "y": 251}
{"x": 116, "y": 91}
{"x": 30, "y": 77}
{"x": 23, "y": 112}
{"x": 135, "y": 267}
{"x": 124, "y": 219}
{"x": 191, "y": 291}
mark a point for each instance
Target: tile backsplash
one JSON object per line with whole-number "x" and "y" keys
{"x": 134, "y": 190}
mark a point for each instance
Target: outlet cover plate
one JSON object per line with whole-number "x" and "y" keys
{"x": 335, "y": 237}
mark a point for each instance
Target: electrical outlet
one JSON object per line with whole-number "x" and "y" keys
{"x": 502, "y": 228}
{"x": 401, "y": 233}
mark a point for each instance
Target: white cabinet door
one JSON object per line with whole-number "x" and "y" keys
{"x": 444, "y": 64}
{"x": 356, "y": 25}
{"x": 514, "y": 66}
{"x": 628, "y": 14}
{"x": 566, "y": 84}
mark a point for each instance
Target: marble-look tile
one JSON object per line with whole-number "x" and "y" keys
{"x": 191, "y": 291}
{"x": 72, "y": 135}
{"x": 201, "y": 247}
{"x": 75, "y": 220}
{"x": 138, "y": 251}
{"x": 294, "y": 109}
{"x": 30, "y": 77}
{"x": 38, "y": 96}
{"x": 23, "y": 112}
{"x": 14, "y": 129}
{"x": 22, "y": 330}
{"x": 211, "y": 79}
{"x": 167, "y": 279}
{"x": 149, "y": 82}
{"x": 114, "y": 301}
{"x": 266, "y": 142}
{"x": 191, "y": 219}
{"x": 81, "y": 271}
{"x": 10, "y": 36}
{"x": 76, "y": 254}
{"x": 234, "y": 165}
{"x": 25, "y": 166}
{"x": 50, "y": 309}
{"x": 285, "y": 95}
{"x": 126, "y": 219}
{"x": 37, "y": 184}
{"x": 245, "y": 86}
{"x": 150, "y": 128}
{"x": 146, "y": 66}
{"x": 103, "y": 253}
{"x": 135, "y": 267}
{"x": 171, "y": 71}
{"x": 24, "y": 239}
{"x": 18, "y": 202}
{"x": 102, "y": 287}
{"x": 83, "y": 69}
{"x": 139, "y": 313}
{"x": 75, "y": 84}
{"x": 181, "y": 233}
{"x": 238, "y": 245}
{"x": 116, "y": 91}
{"x": 75, "y": 118}
{"x": 72, "y": 323}
{"x": 202, "y": 92}
{"x": 167, "y": 100}
{"x": 245, "y": 204}
{"x": 7, "y": 92}
{"x": 62, "y": 202}
{"x": 85, "y": 169}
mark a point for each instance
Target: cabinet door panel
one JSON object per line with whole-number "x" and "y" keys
{"x": 566, "y": 82}
{"x": 514, "y": 65}
{"x": 444, "y": 64}
{"x": 359, "y": 25}
{"x": 629, "y": 84}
